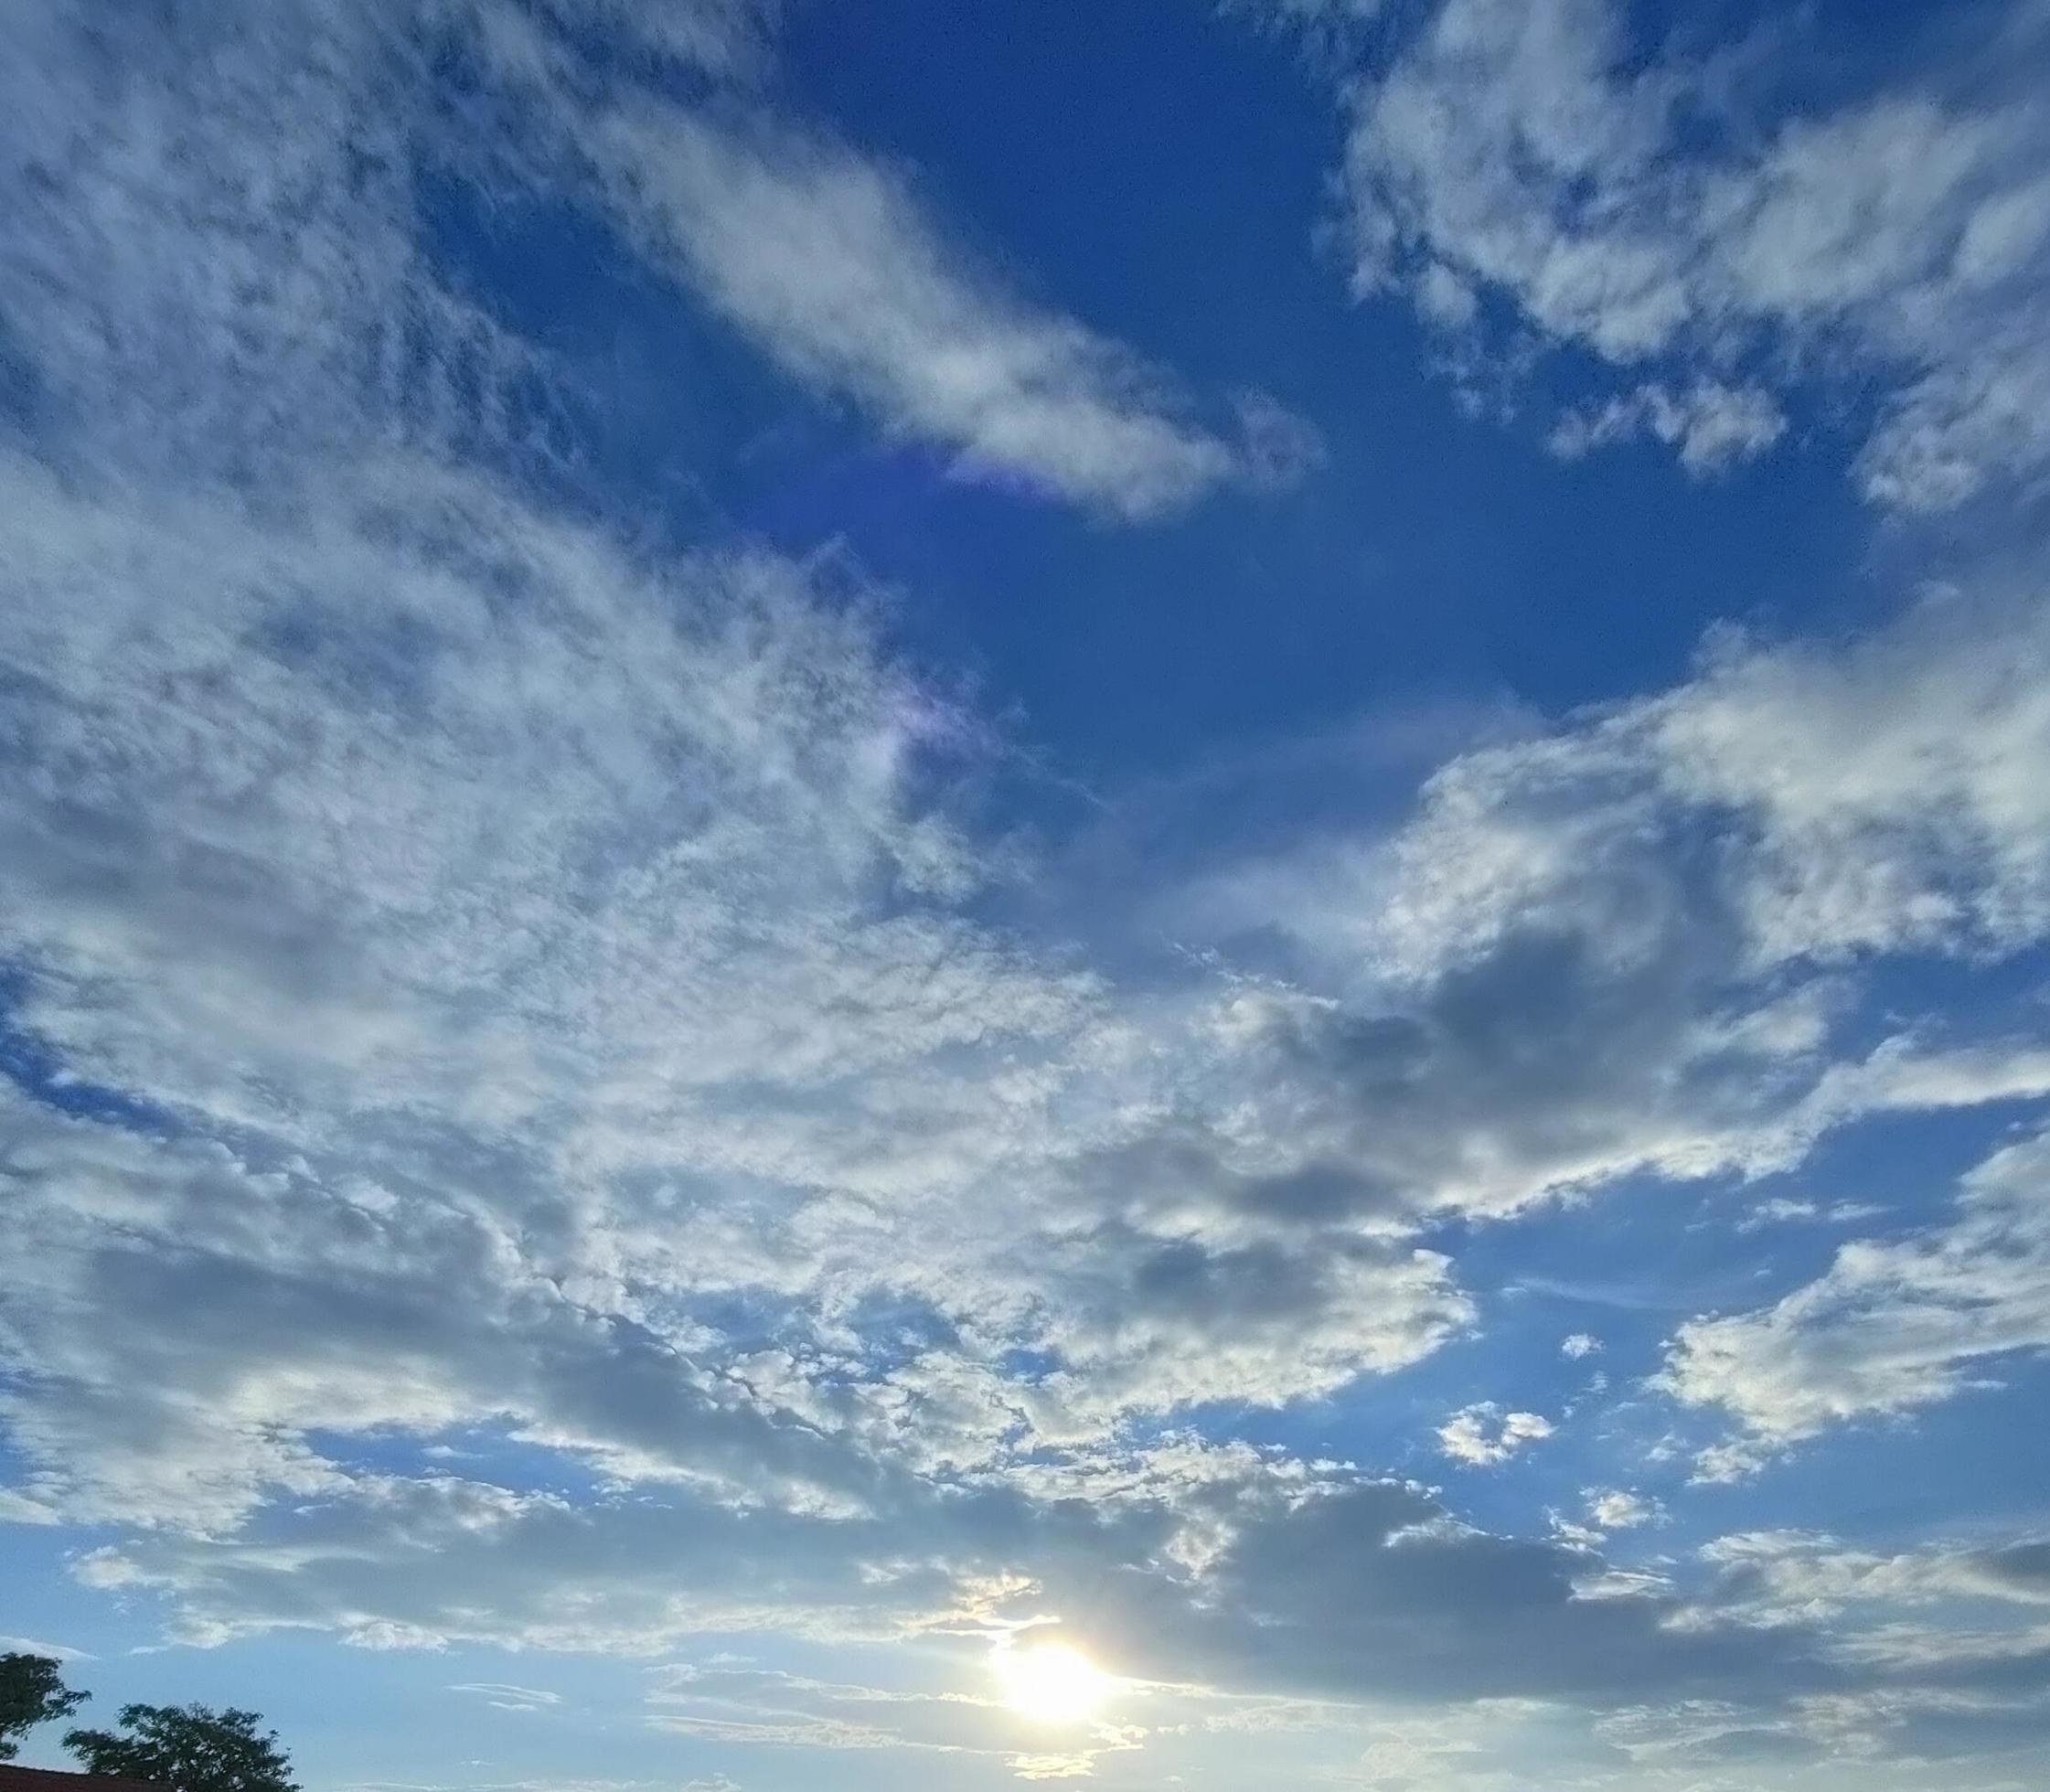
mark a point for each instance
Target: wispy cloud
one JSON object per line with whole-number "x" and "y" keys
{"x": 503, "y": 1697}
{"x": 840, "y": 271}
{"x": 1712, "y": 425}
{"x": 851, "y": 277}
{"x": 30, "y": 1645}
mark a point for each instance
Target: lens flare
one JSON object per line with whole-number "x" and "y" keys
{"x": 1051, "y": 1682}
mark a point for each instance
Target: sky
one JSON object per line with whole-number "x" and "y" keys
{"x": 909, "y": 895}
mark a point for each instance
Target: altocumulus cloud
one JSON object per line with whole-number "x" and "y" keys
{"x": 512, "y": 915}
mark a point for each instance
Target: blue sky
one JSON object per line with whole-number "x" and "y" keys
{"x": 859, "y": 858}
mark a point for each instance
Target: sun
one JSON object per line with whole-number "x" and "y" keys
{"x": 1051, "y": 1682}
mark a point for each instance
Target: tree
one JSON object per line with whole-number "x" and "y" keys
{"x": 30, "y": 1693}
{"x": 188, "y": 1748}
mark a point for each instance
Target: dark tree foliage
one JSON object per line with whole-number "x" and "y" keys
{"x": 188, "y": 1748}
{"x": 30, "y": 1693}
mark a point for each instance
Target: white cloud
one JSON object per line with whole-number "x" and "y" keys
{"x": 1579, "y": 1344}
{"x": 844, "y": 272}
{"x": 833, "y": 265}
{"x": 1483, "y": 1435}
{"x": 504, "y": 1697}
{"x": 19, "y": 1508}
{"x": 1712, "y": 425}
{"x": 1616, "y": 1509}
{"x": 1619, "y": 944}
{"x": 1873, "y": 795}
{"x": 1629, "y": 205}
{"x": 1807, "y": 1575}
{"x": 30, "y": 1645}
{"x": 837, "y": 266}
{"x": 1910, "y": 818}
{"x": 1788, "y": 1210}
{"x": 1893, "y": 1325}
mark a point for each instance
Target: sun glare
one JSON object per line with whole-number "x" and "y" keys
{"x": 1051, "y": 1682}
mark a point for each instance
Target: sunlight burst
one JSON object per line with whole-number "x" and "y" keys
{"x": 1051, "y": 1682}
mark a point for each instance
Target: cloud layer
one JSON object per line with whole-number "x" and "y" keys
{"x": 510, "y": 1020}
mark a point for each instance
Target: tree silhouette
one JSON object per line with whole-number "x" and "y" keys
{"x": 188, "y": 1748}
{"x": 31, "y": 1692}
